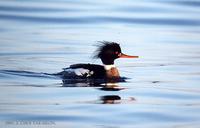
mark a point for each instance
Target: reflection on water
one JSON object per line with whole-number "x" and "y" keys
{"x": 110, "y": 99}
{"x": 111, "y": 87}
{"x": 115, "y": 99}
{"x": 90, "y": 82}
{"x": 40, "y": 38}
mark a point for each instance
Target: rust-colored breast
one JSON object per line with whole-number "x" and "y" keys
{"x": 113, "y": 72}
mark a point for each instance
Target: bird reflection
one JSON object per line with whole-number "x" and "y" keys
{"x": 110, "y": 99}
{"x": 81, "y": 83}
{"x": 106, "y": 84}
{"x": 111, "y": 87}
{"x": 103, "y": 85}
{"x": 115, "y": 99}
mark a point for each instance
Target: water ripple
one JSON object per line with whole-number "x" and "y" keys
{"x": 191, "y": 3}
{"x": 103, "y": 19}
{"x": 29, "y": 9}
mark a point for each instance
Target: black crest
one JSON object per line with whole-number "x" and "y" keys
{"x": 107, "y": 51}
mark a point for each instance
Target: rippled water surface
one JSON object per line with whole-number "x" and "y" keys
{"x": 40, "y": 37}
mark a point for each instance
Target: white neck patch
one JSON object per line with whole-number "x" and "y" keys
{"x": 108, "y": 67}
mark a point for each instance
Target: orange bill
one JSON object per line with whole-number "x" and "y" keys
{"x": 127, "y": 56}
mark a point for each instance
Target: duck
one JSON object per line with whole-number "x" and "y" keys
{"x": 108, "y": 52}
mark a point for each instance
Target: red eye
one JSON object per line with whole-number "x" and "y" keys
{"x": 116, "y": 52}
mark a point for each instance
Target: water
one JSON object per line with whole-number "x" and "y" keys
{"x": 38, "y": 38}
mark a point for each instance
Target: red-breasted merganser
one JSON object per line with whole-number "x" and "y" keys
{"x": 107, "y": 52}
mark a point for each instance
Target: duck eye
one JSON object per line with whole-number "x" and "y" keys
{"x": 116, "y": 53}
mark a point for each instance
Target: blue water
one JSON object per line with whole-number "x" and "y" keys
{"x": 40, "y": 37}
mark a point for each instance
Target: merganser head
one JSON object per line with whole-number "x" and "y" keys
{"x": 109, "y": 51}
